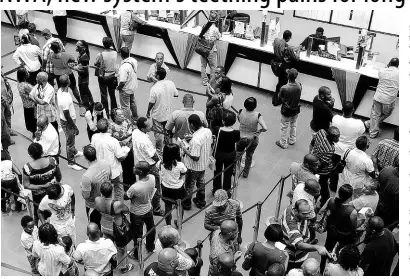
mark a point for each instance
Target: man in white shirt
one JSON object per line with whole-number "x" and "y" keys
{"x": 309, "y": 191}
{"x": 128, "y": 84}
{"x": 177, "y": 124}
{"x": 109, "y": 149}
{"x": 29, "y": 56}
{"x": 96, "y": 252}
{"x": 160, "y": 105}
{"x": 159, "y": 63}
{"x": 60, "y": 23}
{"x": 144, "y": 150}
{"x": 60, "y": 201}
{"x": 385, "y": 97}
{"x": 67, "y": 120}
{"x": 197, "y": 160}
{"x": 47, "y": 136}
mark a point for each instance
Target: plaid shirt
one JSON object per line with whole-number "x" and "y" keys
{"x": 387, "y": 153}
{"x": 47, "y": 94}
{"x": 212, "y": 35}
{"x": 324, "y": 150}
{"x": 49, "y": 67}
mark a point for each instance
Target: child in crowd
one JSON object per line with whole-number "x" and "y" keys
{"x": 72, "y": 269}
{"x": 195, "y": 270}
{"x": 29, "y": 234}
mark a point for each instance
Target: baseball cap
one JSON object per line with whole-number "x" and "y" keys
{"x": 221, "y": 197}
{"x": 98, "y": 106}
{"x": 213, "y": 17}
{"x": 292, "y": 73}
{"x": 46, "y": 32}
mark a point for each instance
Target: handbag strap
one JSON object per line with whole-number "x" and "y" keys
{"x": 216, "y": 144}
{"x": 346, "y": 153}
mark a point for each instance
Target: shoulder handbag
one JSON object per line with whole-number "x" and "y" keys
{"x": 342, "y": 164}
{"x": 121, "y": 233}
{"x": 248, "y": 258}
{"x": 275, "y": 66}
{"x": 212, "y": 160}
{"x": 216, "y": 113}
{"x": 204, "y": 47}
{"x": 320, "y": 224}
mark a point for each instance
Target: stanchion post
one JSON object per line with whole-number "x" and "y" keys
{"x": 257, "y": 221}
{"x": 179, "y": 216}
{"x": 279, "y": 202}
{"x": 235, "y": 179}
{"x": 140, "y": 258}
{"x": 30, "y": 211}
{"x": 199, "y": 244}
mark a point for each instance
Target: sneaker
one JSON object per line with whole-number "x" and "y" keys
{"x": 12, "y": 142}
{"x": 280, "y": 145}
{"x": 291, "y": 143}
{"x": 176, "y": 224}
{"x": 198, "y": 203}
{"x": 186, "y": 207}
{"x": 75, "y": 167}
{"x": 159, "y": 213}
{"x": 127, "y": 268}
{"x": 132, "y": 255}
{"x": 13, "y": 134}
{"x": 78, "y": 154}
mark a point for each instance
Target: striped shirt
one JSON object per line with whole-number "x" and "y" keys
{"x": 199, "y": 146}
{"x": 294, "y": 232}
{"x": 232, "y": 212}
{"x": 387, "y": 153}
{"x": 324, "y": 150}
{"x": 46, "y": 52}
{"x": 46, "y": 94}
{"x": 212, "y": 34}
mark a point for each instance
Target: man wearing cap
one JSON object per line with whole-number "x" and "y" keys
{"x": 48, "y": 66}
{"x": 97, "y": 172}
{"x": 68, "y": 123}
{"x": 44, "y": 96}
{"x": 318, "y": 39}
{"x": 223, "y": 209}
{"x": 308, "y": 191}
{"x": 290, "y": 95}
{"x": 177, "y": 125}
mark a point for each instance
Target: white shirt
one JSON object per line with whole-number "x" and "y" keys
{"x": 388, "y": 87}
{"x": 350, "y": 129}
{"x": 59, "y": 13}
{"x": 199, "y": 146}
{"x": 109, "y": 149}
{"x": 96, "y": 254}
{"x": 52, "y": 258}
{"x": 30, "y": 55}
{"x": 300, "y": 194}
{"x": 358, "y": 167}
{"x": 65, "y": 102}
{"x": 227, "y": 103}
{"x": 143, "y": 147}
{"x": 128, "y": 74}
{"x": 172, "y": 178}
{"x": 6, "y": 167}
{"x": 161, "y": 95}
{"x": 27, "y": 240}
{"x": 49, "y": 141}
{"x": 21, "y": 12}
{"x": 153, "y": 71}
{"x": 60, "y": 209}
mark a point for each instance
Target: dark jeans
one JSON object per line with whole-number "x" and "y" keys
{"x": 86, "y": 96}
{"x": 107, "y": 87}
{"x": 282, "y": 80}
{"x": 224, "y": 160}
{"x": 5, "y": 131}
{"x": 7, "y": 115}
{"x": 241, "y": 145}
{"x": 128, "y": 176}
{"x": 51, "y": 78}
{"x": 11, "y": 185}
{"x": 70, "y": 140}
{"x": 60, "y": 23}
{"x": 32, "y": 77}
{"x": 324, "y": 189}
{"x": 94, "y": 217}
{"x": 174, "y": 194}
{"x": 156, "y": 200}
{"x": 191, "y": 178}
{"x": 73, "y": 86}
{"x": 30, "y": 120}
{"x": 137, "y": 225}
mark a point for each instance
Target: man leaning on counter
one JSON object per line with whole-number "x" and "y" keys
{"x": 318, "y": 39}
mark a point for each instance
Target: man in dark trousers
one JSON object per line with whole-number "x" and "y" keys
{"x": 60, "y": 23}
{"x": 287, "y": 56}
{"x": 322, "y": 110}
{"x": 290, "y": 96}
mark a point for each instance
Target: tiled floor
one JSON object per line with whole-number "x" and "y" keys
{"x": 271, "y": 161}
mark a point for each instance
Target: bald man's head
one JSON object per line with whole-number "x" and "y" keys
{"x": 42, "y": 122}
{"x": 168, "y": 237}
{"x": 333, "y": 134}
{"x": 376, "y": 224}
{"x": 312, "y": 187}
{"x": 142, "y": 169}
{"x": 168, "y": 260}
{"x": 311, "y": 162}
{"x": 311, "y": 267}
{"x": 102, "y": 125}
{"x": 226, "y": 260}
{"x": 229, "y": 229}
{"x": 276, "y": 269}
{"x": 302, "y": 209}
{"x": 93, "y": 231}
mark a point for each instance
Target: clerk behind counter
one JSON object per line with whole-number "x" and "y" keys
{"x": 318, "y": 39}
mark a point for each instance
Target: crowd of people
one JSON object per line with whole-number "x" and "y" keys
{"x": 125, "y": 164}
